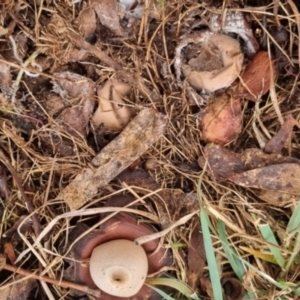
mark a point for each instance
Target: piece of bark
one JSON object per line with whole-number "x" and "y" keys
{"x": 196, "y": 258}
{"x": 144, "y": 130}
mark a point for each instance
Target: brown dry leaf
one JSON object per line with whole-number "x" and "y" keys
{"x": 206, "y": 287}
{"x": 284, "y": 178}
{"x": 255, "y": 81}
{"x": 276, "y": 198}
{"x": 224, "y": 163}
{"x": 107, "y": 12}
{"x": 21, "y": 225}
{"x": 144, "y": 130}
{"x": 70, "y": 85}
{"x": 196, "y": 258}
{"x": 10, "y": 252}
{"x": 5, "y": 79}
{"x": 76, "y": 119}
{"x": 253, "y": 168}
{"x": 233, "y": 288}
{"x": 112, "y": 111}
{"x": 18, "y": 290}
{"x": 222, "y": 121}
{"x": 278, "y": 141}
{"x": 87, "y": 21}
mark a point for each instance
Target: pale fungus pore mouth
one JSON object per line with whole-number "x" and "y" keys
{"x": 112, "y": 111}
{"x": 209, "y": 61}
{"x": 119, "y": 267}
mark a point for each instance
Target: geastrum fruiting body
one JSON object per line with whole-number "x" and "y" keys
{"x": 108, "y": 259}
{"x": 208, "y": 61}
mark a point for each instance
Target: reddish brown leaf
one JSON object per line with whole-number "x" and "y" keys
{"x": 255, "y": 80}
{"x": 225, "y": 163}
{"x": 10, "y": 252}
{"x": 283, "y": 178}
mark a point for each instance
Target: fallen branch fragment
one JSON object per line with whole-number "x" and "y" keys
{"x": 144, "y": 130}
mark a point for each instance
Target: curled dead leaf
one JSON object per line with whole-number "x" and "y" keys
{"x": 135, "y": 9}
{"x": 221, "y": 123}
{"x": 75, "y": 119}
{"x": 255, "y": 80}
{"x": 218, "y": 64}
{"x": 112, "y": 111}
{"x": 4, "y": 190}
{"x": 271, "y": 177}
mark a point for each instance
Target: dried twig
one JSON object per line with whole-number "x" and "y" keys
{"x": 134, "y": 140}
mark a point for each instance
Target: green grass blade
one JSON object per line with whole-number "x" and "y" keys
{"x": 269, "y": 236}
{"x": 173, "y": 283}
{"x": 161, "y": 293}
{"x": 233, "y": 258}
{"x": 293, "y": 256}
{"x": 294, "y": 220}
{"x": 210, "y": 256}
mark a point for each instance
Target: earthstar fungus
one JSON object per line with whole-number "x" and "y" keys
{"x": 211, "y": 61}
{"x": 119, "y": 267}
{"x": 121, "y": 229}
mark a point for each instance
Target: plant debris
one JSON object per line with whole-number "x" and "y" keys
{"x": 134, "y": 140}
{"x": 176, "y": 120}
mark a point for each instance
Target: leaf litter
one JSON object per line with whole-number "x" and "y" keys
{"x": 103, "y": 98}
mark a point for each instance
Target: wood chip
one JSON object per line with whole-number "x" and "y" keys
{"x": 144, "y": 130}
